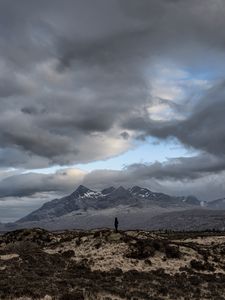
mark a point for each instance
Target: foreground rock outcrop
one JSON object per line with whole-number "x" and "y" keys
{"x": 101, "y": 264}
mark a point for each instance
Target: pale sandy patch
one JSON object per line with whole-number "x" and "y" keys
{"x": 8, "y": 256}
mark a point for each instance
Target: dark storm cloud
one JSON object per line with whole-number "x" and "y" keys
{"x": 125, "y": 135}
{"x": 75, "y": 84}
{"x": 68, "y": 81}
{"x": 31, "y": 183}
{"x": 179, "y": 168}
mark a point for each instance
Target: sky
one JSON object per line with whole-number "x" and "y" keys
{"x": 108, "y": 93}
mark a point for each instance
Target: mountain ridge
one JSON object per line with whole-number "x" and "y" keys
{"x": 83, "y": 199}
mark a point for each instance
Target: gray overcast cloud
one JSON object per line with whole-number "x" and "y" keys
{"x": 82, "y": 80}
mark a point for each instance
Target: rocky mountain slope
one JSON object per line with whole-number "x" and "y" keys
{"x": 102, "y": 264}
{"x": 84, "y": 199}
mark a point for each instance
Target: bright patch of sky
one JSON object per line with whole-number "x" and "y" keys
{"x": 174, "y": 90}
{"x": 145, "y": 152}
{"x": 150, "y": 150}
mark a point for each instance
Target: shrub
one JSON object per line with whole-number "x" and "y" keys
{"x": 172, "y": 251}
{"x": 198, "y": 265}
{"x": 68, "y": 254}
{"x": 78, "y": 295}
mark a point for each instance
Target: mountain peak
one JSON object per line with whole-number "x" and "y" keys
{"x": 192, "y": 200}
{"x": 120, "y": 189}
{"x": 120, "y": 192}
{"x": 81, "y": 190}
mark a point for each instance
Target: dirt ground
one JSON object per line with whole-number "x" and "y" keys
{"x": 104, "y": 265}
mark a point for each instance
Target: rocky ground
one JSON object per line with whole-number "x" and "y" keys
{"x": 104, "y": 265}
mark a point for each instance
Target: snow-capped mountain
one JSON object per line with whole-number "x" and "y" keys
{"x": 84, "y": 199}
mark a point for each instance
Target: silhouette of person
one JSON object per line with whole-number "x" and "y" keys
{"x": 116, "y": 223}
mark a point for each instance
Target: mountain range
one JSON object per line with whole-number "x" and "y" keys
{"x": 84, "y": 199}
{"x": 135, "y": 207}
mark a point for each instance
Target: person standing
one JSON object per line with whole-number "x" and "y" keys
{"x": 116, "y": 223}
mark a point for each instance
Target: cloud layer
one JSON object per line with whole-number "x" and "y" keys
{"x": 81, "y": 80}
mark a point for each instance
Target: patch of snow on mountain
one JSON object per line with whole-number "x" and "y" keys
{"x": 91, "y": 194}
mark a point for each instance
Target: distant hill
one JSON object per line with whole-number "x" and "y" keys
{"x": 195, "y": 219}
{"x": 217, "y": 204}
